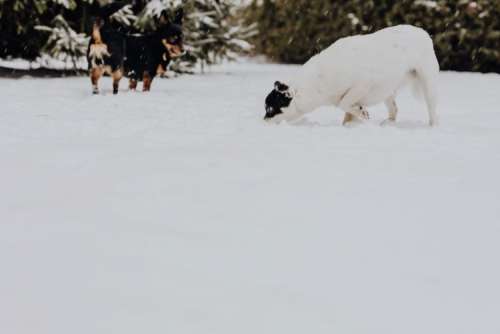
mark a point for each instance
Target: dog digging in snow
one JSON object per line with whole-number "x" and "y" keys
{"x": 358, "y": 72}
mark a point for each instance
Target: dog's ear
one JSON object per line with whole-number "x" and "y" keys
{"x": 281, "y": 87}
{"x": 178, "y": 16}
{"x": 163, "y": 19}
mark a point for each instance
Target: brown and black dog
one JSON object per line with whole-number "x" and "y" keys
{"x": 116, "y": 51}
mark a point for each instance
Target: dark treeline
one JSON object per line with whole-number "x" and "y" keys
{"x": 18, "y": 19}
{"x": 466, "y": 33}
{"x": 60, "y": 28}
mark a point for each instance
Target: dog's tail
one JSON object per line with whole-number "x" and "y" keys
{"x": 96, "y": 32}
{"x": 98, "y": 50}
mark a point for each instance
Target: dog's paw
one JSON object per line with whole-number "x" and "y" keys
{"x": 387, "y": 122}
{"x": 364, "y": 115}
{"x": 361, "y": 113}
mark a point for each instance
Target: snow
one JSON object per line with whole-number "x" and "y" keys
{"x": 44, "y": 61}
{"x": 156, "y": 7}
{"x": 182, "y": 211}
{"x": 427, "y": 3}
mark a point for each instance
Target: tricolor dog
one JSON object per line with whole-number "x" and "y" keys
{"x": 116, "y": 50}
{"x": 358, "y": 72}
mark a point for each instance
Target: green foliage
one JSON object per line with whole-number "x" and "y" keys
{"x": 18, "y": 19}
{"x": 212, "y": 32}
{"x": 64, "y": 43}
{"x": 466, "y": 33}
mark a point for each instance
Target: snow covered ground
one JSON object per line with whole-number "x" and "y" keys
{"x": 181, "y": 211}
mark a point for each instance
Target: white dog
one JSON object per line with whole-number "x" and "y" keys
{"x": 358, "y": 72}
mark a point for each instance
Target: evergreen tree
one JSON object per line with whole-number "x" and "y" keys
{"x": 125, "y": 16}
{"x": 64, "y": 43}
{"x": 18, "y": 38}
{"x": 466, "y": 33}
{"x": 211, "y": 31}
{"x": 18, "y": 19}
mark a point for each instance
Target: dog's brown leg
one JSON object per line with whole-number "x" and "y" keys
{"x": 95, "y": 75}
{"x": 132, "y": 84}
{"x": 117, "y": 75}
{"x": 147, "y": 79}
{"x": 160, "y": 70}
{"x": 348, "y": 118}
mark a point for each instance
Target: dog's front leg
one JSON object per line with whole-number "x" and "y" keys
{"x": 348, "y": 118}
{"x": 132, "y": 84}
{"x": 147, "y": 79}
{"x": 117, "y": 76}
{"x": 350, "y": 103}
{"x": 360, "y": 112}
{"x": 357, "y": 112}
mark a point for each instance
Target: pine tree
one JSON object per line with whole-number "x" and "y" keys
{"x": 152, "y": 13}
{"x": 18, "y": 38}
{"x": 466, "y": 33}
{"x": 125, "y": 16}
{"x": 19, "y": 19}
{"x": 64, "y": 43}
{"x": 212, "y": 34}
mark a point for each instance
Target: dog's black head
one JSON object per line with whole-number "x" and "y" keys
{"x": 171, "y": 34}
{"x": 279, "y": 98}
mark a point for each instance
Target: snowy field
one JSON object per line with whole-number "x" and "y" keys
{"x": 181, "y": 211}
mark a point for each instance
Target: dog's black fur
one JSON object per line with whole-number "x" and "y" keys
{"x": 147, "y": 52}
{"x": 279, "y": 98}
{"x": 113, "y": 35}
{"x": 139, "y": 56}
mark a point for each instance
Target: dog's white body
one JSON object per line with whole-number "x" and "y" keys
{"x": 361, "y": 71}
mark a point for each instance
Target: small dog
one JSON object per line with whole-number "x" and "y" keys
{"x": 116, "y": 51}
{"x": 149, "y": 55}
{"x": 358, "y": 72}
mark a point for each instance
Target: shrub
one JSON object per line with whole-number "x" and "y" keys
{"x": 466, "y": 33}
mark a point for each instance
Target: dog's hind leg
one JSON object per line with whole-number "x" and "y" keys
{"x": 95, "y": 75}
{"x": 147, "y": 80}
{"x": 392, "y": 107}
{"x": 430, "y": 93}
{"x": 132, "y": 84}
{"x": 117, "y": 75}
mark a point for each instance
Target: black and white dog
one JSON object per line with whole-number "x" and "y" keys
{"x": 361, "y": 71}
{"x": 116, "y": 50}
